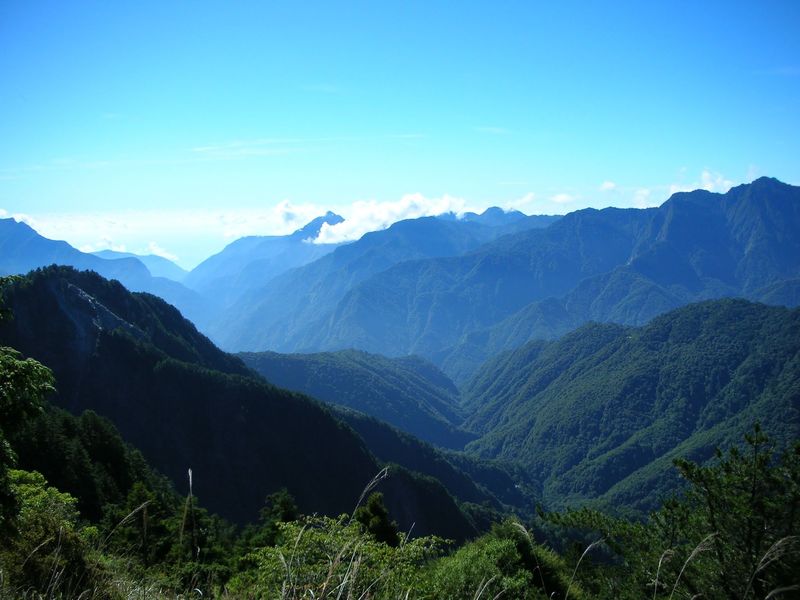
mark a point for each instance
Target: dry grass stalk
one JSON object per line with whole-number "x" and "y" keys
{"x": 382, "y": 474}
{"x": 701, "y": 547}
{"x": 667, "y": 553}
{"x": 778, "y": 550}
{"x": 585, "y": 552}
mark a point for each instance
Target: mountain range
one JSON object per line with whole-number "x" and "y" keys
{"x": 463, "y": 295}
{"x": 287, "y": 314}
{"x": 697, "y": 245}
{"x": 500, "y": 360}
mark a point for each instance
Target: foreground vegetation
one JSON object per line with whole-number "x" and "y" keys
{"x": 733, "y": 534}
{"x": 82, "y": 515}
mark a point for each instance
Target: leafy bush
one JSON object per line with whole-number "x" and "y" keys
{"x": 505, "y": 562}
{"x": 734, "y": 533}
{"x": 23, "y": 385}
{"x": 322, "y": 557}
{"x": 48, "y": 551}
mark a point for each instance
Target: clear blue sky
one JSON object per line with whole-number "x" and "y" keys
{"x": 226, "y": 109}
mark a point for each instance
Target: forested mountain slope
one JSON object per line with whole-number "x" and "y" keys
{"x": 468, "y": 478}
{"x": 133, "y": 359}
{"x": 407, "y": 392}
{"x": 601, "y": 412}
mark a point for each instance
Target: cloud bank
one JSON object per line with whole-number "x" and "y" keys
{"x": 370, "y": 215}
{"x": 709, "y": 181}
{"x": 190, "y": 236}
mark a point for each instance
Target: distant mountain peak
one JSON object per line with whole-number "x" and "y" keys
{"x": 11, "y": 224}
{"x": 762, "y": 184}
{"x": 493, "y": 216}
{"x": 312, "y": 229}
{"x": 496, "y": 210}
{"x": 764, "y": 180}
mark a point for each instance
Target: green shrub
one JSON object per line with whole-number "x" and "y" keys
{"x": 47, "y": 552}
{"x": 322, "y": 557}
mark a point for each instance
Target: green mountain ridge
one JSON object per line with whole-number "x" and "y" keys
{"x": 600, "y": 413}
{"x": 408, "y": 393}
{"x": 501, "y": 485}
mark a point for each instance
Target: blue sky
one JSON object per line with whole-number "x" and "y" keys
{"x": 178, "y": 126}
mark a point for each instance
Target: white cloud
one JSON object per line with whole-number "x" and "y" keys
{"x": 562, "y": 198}
{"x": 607, "y": 186}
{"x": 23, "y": 218}
{"x": 190, "y": 234}
{"x": 521, "y": 203}
{"x": 674, "y": 188}
{"x": 3, "y": 213}
{"x": 709, "y": 180}
{"x": 715, "y": 182}
{"x": 105, "y": 243}
{"x": 372, "y": 215}
{"x": 237, "y": 149}
{"x": 642, "y": 198}
{"x": 280, "y": 219}
{"x": 154, "y": 248}
{"x": 248, "y": 148}
{"x": 193, "y": 235}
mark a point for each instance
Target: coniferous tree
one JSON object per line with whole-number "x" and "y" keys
{"x": 374, "y": 518}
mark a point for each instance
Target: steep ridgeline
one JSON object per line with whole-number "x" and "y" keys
{"x": 285, "y": 314}
{"x": 251, "y": 262}
{"x": 185, "y": 404}
{"x": 22, "y": 249}
{"x": 696, "y": 246}
{"x": 601, "y": 413}
{"x": 408, "y": 392}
